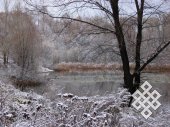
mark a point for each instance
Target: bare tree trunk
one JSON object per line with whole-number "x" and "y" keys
{"x": 140, "y": 9}
{"x": 5, "y": 58}
{"x": 6, "y": 46}
{"x": 128, "y": 79}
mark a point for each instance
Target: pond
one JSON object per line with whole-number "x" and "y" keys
{"x": 98, "y": 83}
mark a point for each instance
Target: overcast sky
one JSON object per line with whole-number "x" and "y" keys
{"x": 125, "y": 5}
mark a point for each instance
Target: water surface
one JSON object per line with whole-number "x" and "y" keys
{"x": 99, "y": 83}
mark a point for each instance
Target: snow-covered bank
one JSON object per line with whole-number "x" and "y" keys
{"x": 43, "y": 69}
{"x": 21, "y": 109}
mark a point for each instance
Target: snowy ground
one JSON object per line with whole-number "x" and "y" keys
{"x": 21, "y": 109}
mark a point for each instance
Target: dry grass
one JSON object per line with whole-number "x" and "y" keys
{"x": 85, "y": 67}
{"x": 158, "y": 68}
{"x": 24, "y": 83}
{"x": 64, "y": 67}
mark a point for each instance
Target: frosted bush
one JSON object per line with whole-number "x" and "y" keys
{"x": 21, "y": 109}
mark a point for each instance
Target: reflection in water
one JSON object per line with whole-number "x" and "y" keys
{"x": 99, "y": 83}
{"x": 89, "y": 89}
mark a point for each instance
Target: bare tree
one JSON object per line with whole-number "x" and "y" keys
{"x": 117, "y": 17}
{"x": 5, "y": 38}
{"x": 25, "y": 41}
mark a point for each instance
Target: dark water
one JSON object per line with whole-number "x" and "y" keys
{"x": 99, "y": 83}
{"x": 83, "y": 83}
